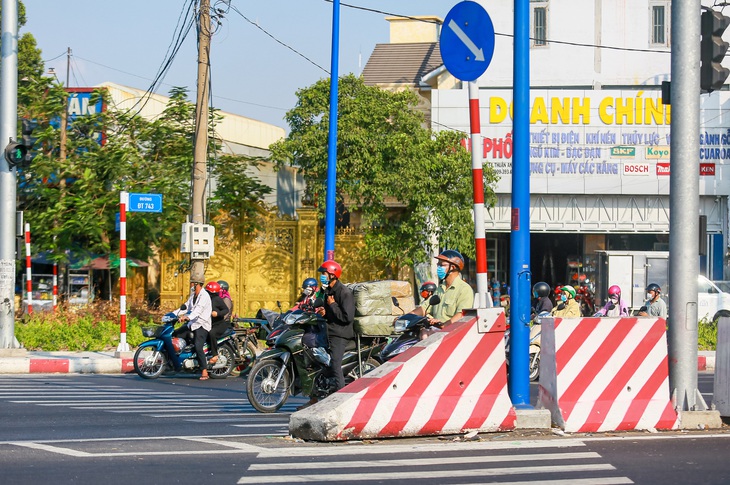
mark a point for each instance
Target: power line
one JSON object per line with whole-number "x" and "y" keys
{"x": 578, "y": 44}
{"x": 278, "y": 41}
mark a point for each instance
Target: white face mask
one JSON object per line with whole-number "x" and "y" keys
{"x": 307, "y": 291}
{"x": 649, "y": 296}
{"x": 614, "y": 298}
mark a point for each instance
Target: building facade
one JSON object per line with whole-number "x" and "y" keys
{"x": 599, "y": 136}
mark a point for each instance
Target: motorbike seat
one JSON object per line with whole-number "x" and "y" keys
{"x": 351, "y": 345}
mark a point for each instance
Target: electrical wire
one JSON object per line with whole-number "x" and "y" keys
{"x": 578, "y": 44}
{"x": 233, "y": 7}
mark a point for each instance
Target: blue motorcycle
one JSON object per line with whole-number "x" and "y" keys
{"x": 165, "y": 352}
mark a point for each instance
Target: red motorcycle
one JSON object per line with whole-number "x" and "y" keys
{"x": 586, "y": 299}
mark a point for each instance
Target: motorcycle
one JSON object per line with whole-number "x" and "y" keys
{"x": 534, "y": 349}
{"x": 166, "y": 352}
{"x": 289, "y": 368}
{"x": 408, "y": 332}
{"x": 246, "y": 340}
{"x": 586, "y": 300}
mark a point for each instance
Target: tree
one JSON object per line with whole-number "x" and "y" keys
{"x": 72, "y": 203}
{"x": 409, "y": 183}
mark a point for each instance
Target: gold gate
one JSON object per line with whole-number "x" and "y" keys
{"x": 269, "y": 266}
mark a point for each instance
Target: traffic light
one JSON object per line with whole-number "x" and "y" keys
{"x": 712, "y": 51}
{"x": 28, "y": 140}
{"x": 15, "y": 153}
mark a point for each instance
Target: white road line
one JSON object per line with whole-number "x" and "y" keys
{"x": 570, "y": 481}
{"x": 441, "y": 460}
{"x": 228, "y": 419}
{"x": 52, "y": 449}
{"x": 427, "y": 474}
{"x": 207, "y": 415}
{"x": 105, "y": 402}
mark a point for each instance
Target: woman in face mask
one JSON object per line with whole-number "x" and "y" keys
{"x": 615, "y": 305}
{"x": 309, "y": 294}
{"x": 567, "y": 307}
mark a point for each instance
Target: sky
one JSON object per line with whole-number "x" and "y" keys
{"x": 254, "y": 73}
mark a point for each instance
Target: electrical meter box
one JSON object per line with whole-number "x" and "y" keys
{"x": 197, "y": 239}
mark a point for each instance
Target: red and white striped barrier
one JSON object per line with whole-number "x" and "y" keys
{"x": 454, "y": 381}
{"x": 73, "y": 365}
{"x": 606, "y": 374}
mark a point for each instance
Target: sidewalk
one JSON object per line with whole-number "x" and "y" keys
{"x": 21, "y": 361}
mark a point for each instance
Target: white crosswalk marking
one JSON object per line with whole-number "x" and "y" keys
{"x": 529, "y": 462}
{"x": 62, "y": 392}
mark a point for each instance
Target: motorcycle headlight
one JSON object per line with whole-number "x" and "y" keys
{"x": 400, "y": 325}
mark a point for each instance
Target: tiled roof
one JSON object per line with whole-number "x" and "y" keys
{"x": 401, "y": 63}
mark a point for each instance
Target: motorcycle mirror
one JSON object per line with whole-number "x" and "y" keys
{"x": 611, "y": 306}
{"x": 435, "y": 300}
{"x": 183, "y": 307}
{"x": 278, "y": 305}
{"x": 318, "y": 302}
{"x": 642, "y": 309}
{"x": 396, "y": 304}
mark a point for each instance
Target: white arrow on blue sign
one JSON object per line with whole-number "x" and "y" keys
{"x": 145, "y": 203}
{"x": 467, "y": 41}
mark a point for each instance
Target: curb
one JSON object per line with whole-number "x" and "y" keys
{"x": 82, "y": 365}
{"x": 125, "y": 365}
{"x": 706, "y": 361}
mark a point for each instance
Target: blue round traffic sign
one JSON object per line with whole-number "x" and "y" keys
{"x": 467, "y": 41}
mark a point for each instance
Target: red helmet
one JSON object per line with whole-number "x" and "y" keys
{"x": 427, "y": 289}
{"x": 213, "y": 287}
{"x": 615, "y": 290}
{"x": 332, "y": 267}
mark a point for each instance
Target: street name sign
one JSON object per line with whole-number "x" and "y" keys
{"x": 145, "y": 203}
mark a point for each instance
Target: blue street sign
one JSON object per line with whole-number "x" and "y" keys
{"x": 145, "y": 203}
{"x": 467, "y": 41}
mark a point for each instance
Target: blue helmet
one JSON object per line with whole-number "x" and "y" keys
{"x": 310, "y": 283}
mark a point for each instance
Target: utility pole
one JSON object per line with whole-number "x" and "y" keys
{"x": 200, "y": 147}
{"x": 8, "y": 176}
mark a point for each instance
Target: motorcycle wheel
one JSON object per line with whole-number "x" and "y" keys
{"x": 225, "y": 353}
{"x": 260, "y": 386}
{"x": 149, "y": 362}
{"x": 367, "y": 366}
{"x": 247, "y": 359}
{"x": 534, "y": 367}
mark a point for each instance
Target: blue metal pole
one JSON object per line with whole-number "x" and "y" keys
{"x": 519, "y": 375}
{"x": 331, "y": 202}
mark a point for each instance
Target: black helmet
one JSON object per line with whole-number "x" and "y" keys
{"x": 653, "y": 287}
{"x": 224, "y": 285}
{"x": 541, "y": 289}
{"x": 453, "y": 257}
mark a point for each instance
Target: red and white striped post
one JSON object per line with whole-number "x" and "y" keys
{"x": 480, "y": 241}
{"x": 55, "y": 286}
{"x": 123, "y": 203}
{"x": 28, "y": 279}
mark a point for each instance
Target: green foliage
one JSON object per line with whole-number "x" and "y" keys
{"x": 707, "y": 334}
{"x": 90, "y": 328}
{"x": 410, "y": 184}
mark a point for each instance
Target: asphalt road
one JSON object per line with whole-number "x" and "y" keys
{"x": 122, "y": 429}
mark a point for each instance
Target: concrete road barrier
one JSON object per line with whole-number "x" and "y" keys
{"x": 606, "y": 374}
{"x": 452, "y": 382}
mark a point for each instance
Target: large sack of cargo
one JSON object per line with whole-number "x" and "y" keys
{"x": 375, "y": 326}
{"x": 375, "y": 298}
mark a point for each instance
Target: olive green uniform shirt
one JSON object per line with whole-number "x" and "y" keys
{"x": 572, "y": 309}
{"x": 454, "y": 299}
